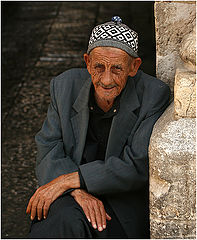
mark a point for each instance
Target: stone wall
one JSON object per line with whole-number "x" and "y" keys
{"x": 172, "y": 150}
{"x": 172, "y": 177}
{"x": 173, "y": 22}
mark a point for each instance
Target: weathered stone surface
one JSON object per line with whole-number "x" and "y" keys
{"x": 188, "y": 50}
{"x": 185, "y": 94}
{"x": 173, "y": 177}
{"x": 173, "y": 21}
{"x": 172, "y": 146}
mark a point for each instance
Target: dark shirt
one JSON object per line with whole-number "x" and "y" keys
{"x": 98, "y": 131}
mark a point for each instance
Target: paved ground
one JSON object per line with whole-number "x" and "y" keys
{"x": 39, "y": 41}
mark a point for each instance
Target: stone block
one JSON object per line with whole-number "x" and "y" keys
{"x": 185, "y": 94}
{"x": 166, "y": 68}
{"x": 188, "y": 50}
{"x": 172, "y": 164}
{"x": 173, "y": 21}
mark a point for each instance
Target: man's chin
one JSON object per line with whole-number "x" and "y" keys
{"x": 108, "y": 98}
{"x": 108, "y": 95}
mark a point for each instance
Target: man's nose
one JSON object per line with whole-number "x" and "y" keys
{"x": 107, "y": 78}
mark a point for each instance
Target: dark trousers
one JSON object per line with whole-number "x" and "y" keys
{"x": 66, "y": 219}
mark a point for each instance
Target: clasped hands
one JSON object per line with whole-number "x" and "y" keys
{"x": 45, "y": 195}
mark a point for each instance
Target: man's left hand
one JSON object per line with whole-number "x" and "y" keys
{"x": 43, "y": 197}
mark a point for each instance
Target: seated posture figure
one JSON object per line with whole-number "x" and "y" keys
{"x": 92, "y": 163}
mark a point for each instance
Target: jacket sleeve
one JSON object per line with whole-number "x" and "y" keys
{"x": 52, "y": 160}
{"x": 130, "y": 171}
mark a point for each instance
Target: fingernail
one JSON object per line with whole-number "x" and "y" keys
{"x": 94, "y": 226}
{"x": 104, "y": 226}
{"x": 89, "y": 220}
{"x": 44, "y": 217}
{"x": 100, "y": 229}
{"x": 38, "y": 219}
{"x": 31, "y": 218}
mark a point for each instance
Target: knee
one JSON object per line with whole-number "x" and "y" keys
{"x": 72, "y": 221}
{"x": 68, "y": 216}
{"x": 65, "y": 220}
{"x": 67, "y": 211}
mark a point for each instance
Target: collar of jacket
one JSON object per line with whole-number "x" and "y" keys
{"x": 82, "y": 100}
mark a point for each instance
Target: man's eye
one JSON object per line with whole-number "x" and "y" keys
{"x": 116, "y": 69}
{"x": 100, "y": 67}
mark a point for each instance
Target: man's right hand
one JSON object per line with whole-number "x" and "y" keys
{"x": 92, "y": 207}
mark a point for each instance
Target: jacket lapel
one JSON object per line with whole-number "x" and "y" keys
{"x": 120, "y": 129}
{"x": 80, "y": 120}
{"x": 124, "y": 121}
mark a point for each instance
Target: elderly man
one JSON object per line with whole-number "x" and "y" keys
{"x": 92, "y": 163}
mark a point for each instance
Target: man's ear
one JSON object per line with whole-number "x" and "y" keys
{"x": 87, "y": 61}
{"x": 135, "y": 64}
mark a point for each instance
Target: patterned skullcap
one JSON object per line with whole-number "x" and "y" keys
{"x": 114, "y": 34}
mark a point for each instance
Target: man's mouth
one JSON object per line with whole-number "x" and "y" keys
{"x": 108, "y": 88}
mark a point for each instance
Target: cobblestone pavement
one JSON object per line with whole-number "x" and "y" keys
{"x": 39, "y": 41}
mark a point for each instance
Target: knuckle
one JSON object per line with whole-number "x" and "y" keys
{"x": 46, "y": 205}
{"x": 48, "y": 198}
{"x": 97, "y": 205}
{"x": 39, "y": 208}
{"x": 45, "y": 209}
{"x": 90, "y": 209}
{"x": 39, "y": 195}
{"x": 102, "y": 209}
{"x": 34, "y": 206}
{"x": 48, "y": 201}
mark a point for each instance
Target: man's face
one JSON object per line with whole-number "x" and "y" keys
{"x": 109, "y": 69}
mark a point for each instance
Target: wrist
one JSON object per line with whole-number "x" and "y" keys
{"x": 71, "y": 180}
{"x": 75, "y": 192}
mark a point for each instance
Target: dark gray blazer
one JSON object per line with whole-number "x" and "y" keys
{"x": 123, "y": 176}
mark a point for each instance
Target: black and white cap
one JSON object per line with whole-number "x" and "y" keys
{"x": 114, "y": 34}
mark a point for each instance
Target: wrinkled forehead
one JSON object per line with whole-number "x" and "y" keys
{"x": 109, "y": 55}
